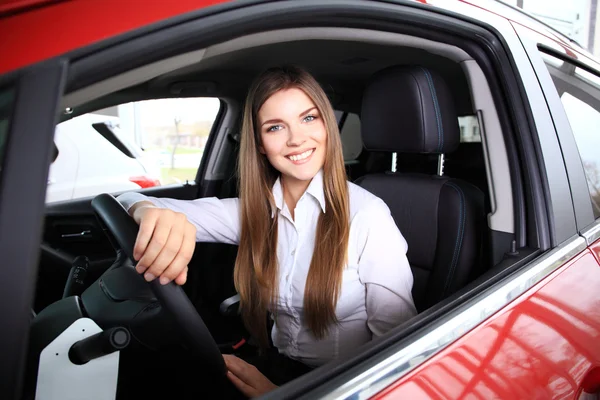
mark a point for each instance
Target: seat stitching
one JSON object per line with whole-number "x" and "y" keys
{"x": 436, "y": 107}
{"x": 459, "y": 237}
{"x": 422, "y": 108}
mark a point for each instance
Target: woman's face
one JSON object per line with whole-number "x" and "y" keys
{"x": 293, "y": 135}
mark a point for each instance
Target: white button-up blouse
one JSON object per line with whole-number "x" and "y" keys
{"x": 377, "y": 282}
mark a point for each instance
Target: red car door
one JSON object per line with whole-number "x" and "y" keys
{"x": 544, "y": 345}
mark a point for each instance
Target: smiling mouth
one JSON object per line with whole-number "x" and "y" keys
{"x": 301, "y": 156}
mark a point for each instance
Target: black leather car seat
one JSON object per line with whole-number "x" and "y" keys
{"x": 411, "y": 110}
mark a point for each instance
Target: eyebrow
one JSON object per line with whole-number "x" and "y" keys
{"x": 272, "y": 121}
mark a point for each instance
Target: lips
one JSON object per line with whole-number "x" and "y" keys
{"x": 302, "y": 156}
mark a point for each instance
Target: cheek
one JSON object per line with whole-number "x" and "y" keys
{"x": 271, "y": 145}
{"x": 320, "y": 134}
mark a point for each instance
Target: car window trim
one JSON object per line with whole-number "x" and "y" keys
{"x": 511, "y": 85}
{"x": 558, "y": 195}
{"x": 29, "y": 148}
{"x": 578, "y": 187}
{"x": 564, "y": 57}
{"x": 592, "y": 232}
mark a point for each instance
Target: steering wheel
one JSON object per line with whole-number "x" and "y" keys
{"x": 122, "y": 232}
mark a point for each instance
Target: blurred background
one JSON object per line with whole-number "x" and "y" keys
{"x": 578, "y": 19}
{"x": 161, "y": 142}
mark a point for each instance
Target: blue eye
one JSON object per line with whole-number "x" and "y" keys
{"x": 274, "y": 128}
{"x": 310, "y": 118}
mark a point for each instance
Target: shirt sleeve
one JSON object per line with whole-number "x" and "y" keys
{"x": 216, "y": 220}
{"x": 384, "y": 269}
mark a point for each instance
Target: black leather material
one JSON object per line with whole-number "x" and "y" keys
{"x": 441, "y": 219}
{"x": 409, "y": 109}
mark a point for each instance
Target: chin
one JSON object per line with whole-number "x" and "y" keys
{"x": 302, "y": 175}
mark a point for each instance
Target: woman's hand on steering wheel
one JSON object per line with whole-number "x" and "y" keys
{"x": 165, "y": 243}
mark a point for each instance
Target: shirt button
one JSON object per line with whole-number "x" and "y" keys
{"x": 294, "y": 252}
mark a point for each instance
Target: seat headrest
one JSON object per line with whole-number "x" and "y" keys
{"x": 409, "y": 109}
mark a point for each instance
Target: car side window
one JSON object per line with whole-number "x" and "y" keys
{"x": 469, "y": 129}
{"x": 579, "y": 91}
{"x": 130, "y": 146}
{"x": 352, "y": 144}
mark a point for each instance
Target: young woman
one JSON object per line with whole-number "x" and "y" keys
{"x": 323, "y": 255}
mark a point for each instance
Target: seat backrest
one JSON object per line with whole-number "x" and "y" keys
{"x": 410, "y": 110}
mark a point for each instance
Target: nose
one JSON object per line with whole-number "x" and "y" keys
{"x": 296, "y": 136}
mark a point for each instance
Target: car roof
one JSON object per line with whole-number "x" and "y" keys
{"x": 30, "y": 22}
{"x": 46, "y": 29}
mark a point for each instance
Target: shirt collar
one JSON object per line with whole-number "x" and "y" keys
{"x": 315, "y": 189}
{"x": 277, "y": 196}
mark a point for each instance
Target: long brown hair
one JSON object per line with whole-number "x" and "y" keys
{"x": 256, "y": 269}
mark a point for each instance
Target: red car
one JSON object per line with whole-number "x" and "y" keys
{"x": 505, "y": 258}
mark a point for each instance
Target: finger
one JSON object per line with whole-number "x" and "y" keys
{"x": 168, "y": 254}
{"x": 157, "y": 243}
{"x": 235, "y": 364}
{"x": 241, "y": 369}
{"x": 144, "y": 235}
{"x": 241, "y": 385}
{"x": 182, "y": 278}
{"x": 181, "y": 260}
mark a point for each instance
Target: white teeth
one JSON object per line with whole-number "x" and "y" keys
{"x": 302, "y": 156}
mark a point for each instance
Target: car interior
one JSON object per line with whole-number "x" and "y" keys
{"x": 460, "y": 203}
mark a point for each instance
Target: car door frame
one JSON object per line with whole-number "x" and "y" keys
{"x": 388, "y": 368}
{"x": 534, "y": 43}
{"x": 339, "y": 375}
{"x": 543, "y": 265}
{"x": 24, "y": 174}
{"x": 570, "y": 253}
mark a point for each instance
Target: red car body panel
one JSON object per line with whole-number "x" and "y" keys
{"x": 14, "y": 6}
{"x": 595, "y": 249}
{"x": 57, "y": 28}
{"x": 543, "y": 345}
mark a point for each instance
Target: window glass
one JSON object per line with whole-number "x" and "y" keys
{"x": 469, "y": 129}
{"x": 130, "y": 146}
{"x": 580, "y": 95}
{"x": 351, "y": 138}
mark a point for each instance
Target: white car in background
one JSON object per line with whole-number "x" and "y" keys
{"x": 93, "y": 156}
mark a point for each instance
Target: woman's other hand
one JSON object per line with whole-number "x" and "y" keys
{"x": 246, "y": 377}
{"x": 165, "y": 243}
